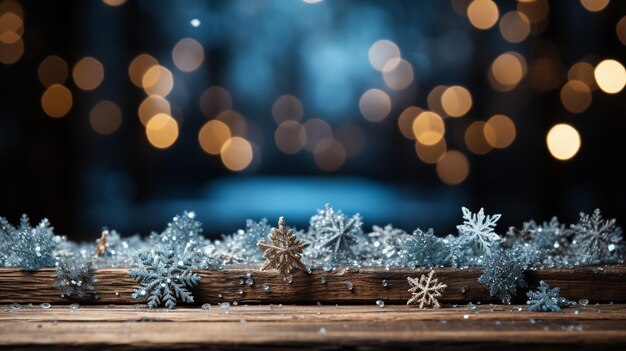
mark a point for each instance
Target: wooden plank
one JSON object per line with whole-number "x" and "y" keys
{"x": 114, "y": 286}
{"x": 298, "y": 327}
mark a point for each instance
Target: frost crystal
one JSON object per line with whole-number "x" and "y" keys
{"x": 503, "y": 274}
{"x": 75, "y": 277}
{"x": 334, "y": 231}
{"x": 545, "y": 299}
{"x": 164, "y": 279}
{"x": 477, "y": 231}
{"x": 424, "y": 249}
{"x": 284, "y": 251}
{"x": 425, "y": 290}
{"x": 27, "y": 247}
{"x": 597, "y": 240}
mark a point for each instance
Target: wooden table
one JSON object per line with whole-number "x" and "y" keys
{"x": 344, "y": 327}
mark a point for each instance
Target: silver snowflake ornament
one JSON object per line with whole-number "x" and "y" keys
{"x": 337, "y": 232}
{"x": 425, "y": 290}
{"x": 597, "y": 240}
{"x": 545, "y": 299}
{"x": 477, "y": 230}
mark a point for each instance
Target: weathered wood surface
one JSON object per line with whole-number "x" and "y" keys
{"x": 285, "y": 327}
{"x": 114, "y": 286}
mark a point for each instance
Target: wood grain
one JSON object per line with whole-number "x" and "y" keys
{"x": 246, "y": 327}
{"x": 114, "y": 286}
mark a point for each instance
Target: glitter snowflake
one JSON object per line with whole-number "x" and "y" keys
{"x": 424, "y": 249}
{"x": 75, "y": 277}
{"x": 503, "y": 274}
{"x": 477, "y": 231}
{"x": 546, "y": 299}
{"x": 164, "y": 279}
{"x": 284, "y": 250}
{"x": 425, "y": 290}
{"x": 27, "y": 247}
{"x": 597, "y": 240}
{"x": 241, "y": 246}
{"x": 335, "y": 231}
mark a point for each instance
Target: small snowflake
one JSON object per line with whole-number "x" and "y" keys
{"x": 545, "y": 299}
{"x": 425, "y": 290}
{"x": 333, "y": 230}
{"x": 164, "y": 279}
{"x": 75, "y": 277}
{"x": 284, "y": 250}
{"x": 597, "y": 240}
{"x": 477, "y": 231}
{"x": 503, "y": 274}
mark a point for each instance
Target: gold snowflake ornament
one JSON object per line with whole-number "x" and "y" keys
{"x": 284, "y": 251}
{"x": 425, "y": 290}
{"x": 102, "y": 244}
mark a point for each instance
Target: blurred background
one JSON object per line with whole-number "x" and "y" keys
{"x": 124, "y": 113}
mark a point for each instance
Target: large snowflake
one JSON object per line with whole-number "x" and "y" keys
{"x": 425, "y": 290}
{"x": 597, "y": 240}
{"x": 164, "y": 279}
{"x": 477, "y": 231}
{"x": 424, "y": 249}
{"x": 333, "y": 230}
{"x": 545, "y": 299}
{"x": 284, "y": 251}
{"x": 503, "y": 274}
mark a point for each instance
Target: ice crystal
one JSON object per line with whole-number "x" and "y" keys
{"x": 424, "y": 249}
{"x": 164, "y": 279}
{"x": 284, "y": 250}
{"x": 503, "y": 274}
{"x": 597, "y": 240}
{"x": 425, "y": 290}
{"x": 477, "y": 231}
{"x": 27, "y": 247}
{"x": 333, "y": 230}
{"x": 75, "y": 277}
{"x": 545, "y": 299}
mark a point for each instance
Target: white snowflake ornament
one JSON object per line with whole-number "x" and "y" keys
{"x": 425, "y": 290}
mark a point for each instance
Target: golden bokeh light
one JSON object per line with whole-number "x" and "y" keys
{"x": 10, "y": 53}
{"x": 287, "y": 107}
{"x": 453, "y": 168}
{"x": 188, "y": 54}
{"x": 215, "y": 100}
{"x": 235, "y": 121}
{"x": 594, "y": 5}
{"x": 56, "y": 101}
{"x": 329, "y": 155}
{"x": 475, "y": 138}
{"x": 398, "y": 74}
{"x": 405, "y": 121}
{"x": 456, "y": 101}
{"x": 610, "y": 76}
{"x": 428, "y": 128}
{"x": 375, "y": 105}
{"x": 11, "y": 27}
{"x": 483, "y": 14}
{"x": 52, "y": 70}
{"x": 431, "y": 154}
{"x": 290, "y": 137}
{"x": 514, "y": 27}
{"x": 316, "y": 130}
{"x": 236, "y": 154}
{"x": 157, "y": 80}
{"x": 105, "y": 117}
{"x": 620, "y": 29}
{"x": 433, "y": 100}
{"x": 583, "y": 71}
{"x": 563, "y": 141}
{"x": 507, "y": 70}
{"x": 576, "y": 96}
{"x": 88, "y": 73}
{"x": 151, "y": 106}
{"x": 11, "y": 6}
{"x": 381, "y": 52}
{"x": 162, "y": 131}
{"x": 138, "y": 68}
{"x": 499, "y": 131}
{"x": 536, "y": 10}
{"x": 114, "y": 3}
{"x": 212, "y": 136}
